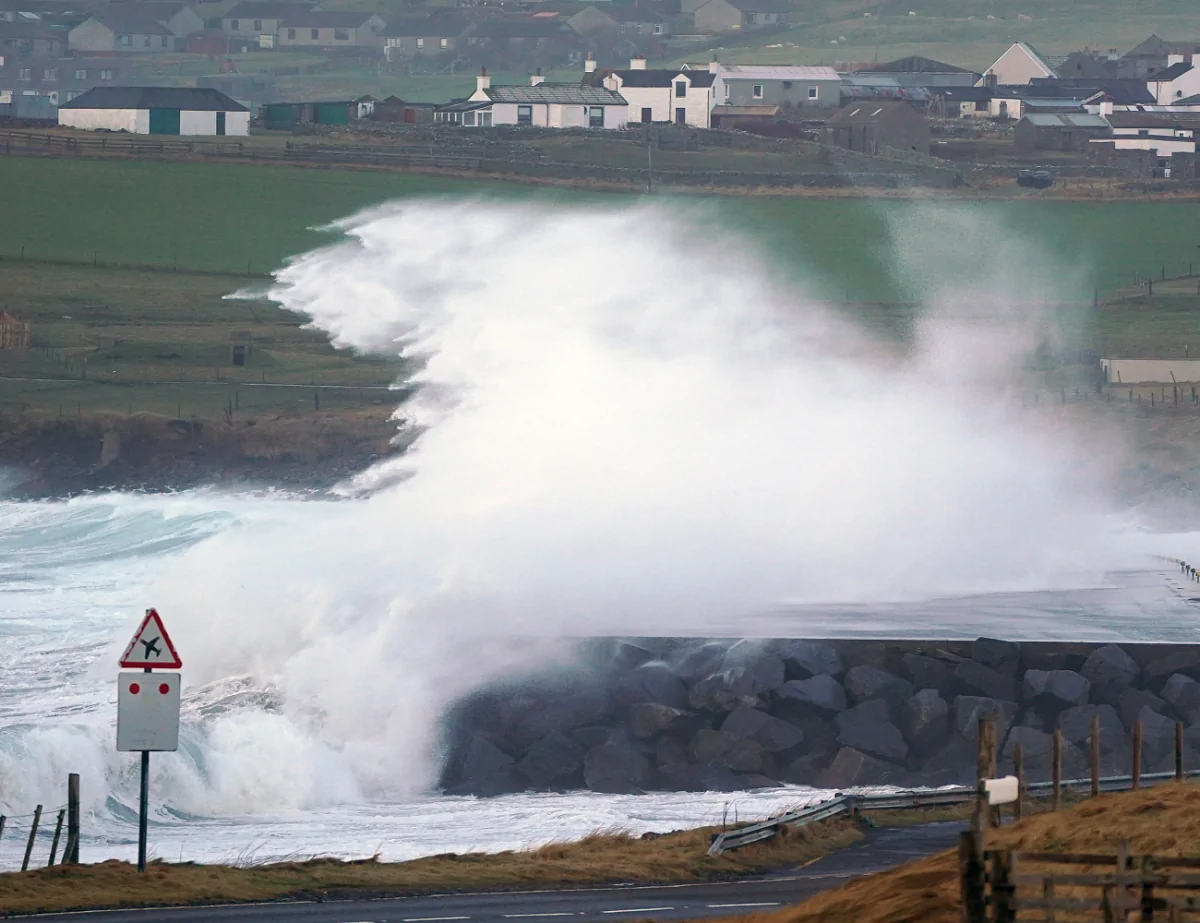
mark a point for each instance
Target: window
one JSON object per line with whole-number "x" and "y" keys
{"x": 726, "y": 92}
{"x": 524, "y": 115}
{"x": 72, "y": 94}
{"x": 596, "y": 117}
{"x": 469, "y": 118}
{"x": 485, "y": 117}
{"x": 233, "y": 25}
{"x": 292, "y": 34}
{"x": 757, "y": 91}
{"x": 420, "y": 43}
{"x": 680, "y": 89}
{"x": 812, "y": 92}
{"x": 106, "y": 75}
{"x": 50, "y": 73}
{"x": 80, "y": 74}
{"x": 145, "y": 41}
{"x": 787, "y": 84}
{"x": 124, "y": 39}
{"x": 341, "y": 35}
{"x": 162, "y": 40}
{"x": 316, "y": 34}
{"x": 445, "y": 43}
{"x": 258, "y": 25}
{"x": 25, "y": 74}
{"x": 658, "y": 28}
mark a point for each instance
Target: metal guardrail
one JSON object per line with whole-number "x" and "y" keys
{"x": 904, "y": 801}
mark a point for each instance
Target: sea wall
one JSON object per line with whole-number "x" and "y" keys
{"x": 725, "y": 715}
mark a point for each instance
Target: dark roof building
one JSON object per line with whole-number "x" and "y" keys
{"x": 657, "y": 77}
{"x": 868, "y": 127}
{"x": 569, "y": 93}
{"x": 318, "y": 19}
{"x": 193, "y": 99}
{"x": 914, "y": 64}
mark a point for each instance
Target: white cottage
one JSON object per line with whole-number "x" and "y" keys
{"x": 548, "y": 105}
{"x": 677, "y": 95}
{"x": 156, "y": 111}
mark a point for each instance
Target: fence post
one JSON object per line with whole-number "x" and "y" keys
{"x": 1137, "y": 756}
{"x": 1095, "y": 755}
{"x": 1002, "y": 887}
{"x": 1178, "y": 751}
{"x": 1147, "y": 902}
{"x": 1019, "y": 772}
{"x": 62, "y": 812}
{"x": 970, "y": 872}
{"x": 2, "y": 820}
{"x": 37, "y": 816}
{"x": 1056, "y": 770}
{"x": 71, "y": 853}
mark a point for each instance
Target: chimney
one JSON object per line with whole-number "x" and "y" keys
{"x": 637, "y": 64}
{"x": 537, "y": 78}
{"x": 714, "y": 66}
{"x": 991, "y": 81}
{"x": 589, "y": 66}
{"x": 483, "y": 81}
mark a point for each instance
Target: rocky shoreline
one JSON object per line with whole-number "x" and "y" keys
{"x": 726, "y": 715}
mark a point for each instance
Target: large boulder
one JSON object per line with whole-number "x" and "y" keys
{"x": 1055, "y": 687}
{"x": 805, "y": 659}
{"x": 1182, "y": 693}
{"x": 670, "y": 751}
{"x": 985, "y": 681}
{"x": 616, "y": 769}
{"x": 1002, "y": 656}
{"x": 1158, "y": 742}
{"x": 968, "y": 709}
{"x": 759, "y": 671}
{"x": 553, "y": 763}
{"x": 926, "y": 672}
{"x": 689, "y": 778}
{"x": 1133, "y": 701}
{"x": 694, "y": 664}
{"x": 820, "y": 695}
{"x": 486, "y": 770}
{"x": 654, "y": 681}
{"x": 953, "y": 763}
{"x": 647, "y": 719}
{"x": 925, "y": 720}
{"x": 1037, "y": 754}
{"x": 870, "y": 730}
{"x": 867, "y": 682}
{"x": 1111, "y": 672}
{"x": 852, "y": 768}
{"x": 1186, "y": 661}
{"x": 1076, "y": 725}
{"x": 626, "y": 655}
{"x": 773, "y": 734}
{"x": 719, "y": 748}
{"x": 718, "y": 693}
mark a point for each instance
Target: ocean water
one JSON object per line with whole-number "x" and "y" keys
{"x": 597, "y": 455}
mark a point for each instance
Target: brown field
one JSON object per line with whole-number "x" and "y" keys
{"x": 676, "y": 857}
{"x": 1162, "y": 821}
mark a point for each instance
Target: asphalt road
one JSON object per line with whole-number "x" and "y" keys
{"x": 881, "y": 849}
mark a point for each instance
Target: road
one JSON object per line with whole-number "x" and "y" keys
{"x": 881, "y": 849}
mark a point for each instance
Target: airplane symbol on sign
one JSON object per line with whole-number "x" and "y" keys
{"x": 151, "y": 646}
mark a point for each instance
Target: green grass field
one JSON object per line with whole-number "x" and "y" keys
{"x": 232, "y": 217}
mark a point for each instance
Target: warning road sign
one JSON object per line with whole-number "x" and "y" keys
{"x": 151, "y": 646}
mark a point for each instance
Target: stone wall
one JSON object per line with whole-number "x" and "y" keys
{"x": 693, "y": 715}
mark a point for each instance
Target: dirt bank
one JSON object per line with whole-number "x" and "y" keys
{"x": 52, "y": 456}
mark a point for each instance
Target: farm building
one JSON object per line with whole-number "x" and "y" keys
{"x": 156, "y": 111}
{"x": 286, "y": 116}
{"x": 1059, "y": 131}
{"x": 14, "y": 332}
{"x": 868, "y": 127}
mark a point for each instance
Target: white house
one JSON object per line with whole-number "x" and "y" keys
{"x": 156, "y": 111}
{"x": 800, "y": 86}
{"x": 1152, "y": 131}
{"x": 548, "y": 105}
{"x": 677, "y": 95}
{"x": 1019, "y": 64}
{"x": 1179, "y": 80}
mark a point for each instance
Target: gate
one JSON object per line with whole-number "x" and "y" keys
{"x": 164, "y": 121}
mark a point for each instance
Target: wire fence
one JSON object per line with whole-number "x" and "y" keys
{"x": 34, "y": 839}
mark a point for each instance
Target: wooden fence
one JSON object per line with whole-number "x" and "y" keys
{"x": 31, "y": 826}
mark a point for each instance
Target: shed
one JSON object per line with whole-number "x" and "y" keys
{"x": 867, "y": 127}
{"x": 1060, "y": 131}
{"x": 285, "y": 116}
{"x": 156, "y": 111}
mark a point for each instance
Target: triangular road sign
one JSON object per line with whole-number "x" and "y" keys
{"x": 151, "y": 646}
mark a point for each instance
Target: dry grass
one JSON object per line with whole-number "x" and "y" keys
{"x": 676, "y": 857}
{"x": 1164, "y": 821}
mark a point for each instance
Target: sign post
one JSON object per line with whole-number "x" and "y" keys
{"x": 148, "y": 706}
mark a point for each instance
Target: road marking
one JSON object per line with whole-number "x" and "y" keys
{"x": 757, "y": 904}
{"x": 528, "y": 916}
{"x": 431, "y": 919}
{"x": 639, "y": 910}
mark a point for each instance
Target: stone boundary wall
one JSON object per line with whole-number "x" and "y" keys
{"x": 721, "y": 715}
